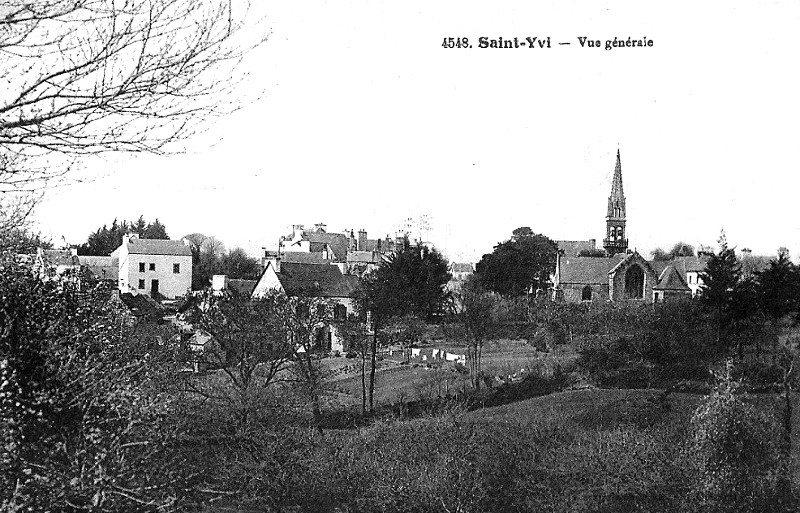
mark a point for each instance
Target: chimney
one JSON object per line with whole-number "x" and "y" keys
{"x": 593, "y": 243}
{"x": 320, "y": 227}
{"x": 219, "y": 282}
{"x": 362, "y": 240}
{"x": 352, "y": 243}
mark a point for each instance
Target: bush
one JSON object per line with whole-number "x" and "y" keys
{"x": 82, "y": 417}
{"x": 651, "y": 346}
{"x": 733, "y": 453}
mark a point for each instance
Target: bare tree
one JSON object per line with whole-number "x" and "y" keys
{"x": 356, "y": 333}
{"x": 474, "y": 308}
{"x": 81, "y": 77}
{"x": 306, "y": 319}
{"x": 247, "y": 341}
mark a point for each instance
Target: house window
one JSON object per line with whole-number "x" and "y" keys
{"x": 339, "y": 312}
{"x": 141, "y": 283}
{"x": 152, "y": 267}
{"x": 176, "y": 268}
{"x": 586, "y": 293}
{"x": 141, "y": 267}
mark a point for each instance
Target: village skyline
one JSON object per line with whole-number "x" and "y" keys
{"x": 365, "y": 120}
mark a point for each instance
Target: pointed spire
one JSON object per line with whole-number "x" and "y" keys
{"x": 616, "y": 185}
{"x": 616, "y": 201}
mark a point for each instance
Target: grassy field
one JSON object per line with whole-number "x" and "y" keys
{"x": 419, "y": 379}
{"x": 573, "y": 451}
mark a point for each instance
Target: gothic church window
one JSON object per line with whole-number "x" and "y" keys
{"x": 634, "y": 283}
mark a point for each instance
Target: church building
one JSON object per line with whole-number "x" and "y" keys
{"x": 620, "y": 275}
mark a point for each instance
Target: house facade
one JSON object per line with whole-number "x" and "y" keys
{"x": 314, "y": 280}
{"x": 155, "y": 267}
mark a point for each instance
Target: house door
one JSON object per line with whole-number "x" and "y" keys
{"x": 153, "y": 288}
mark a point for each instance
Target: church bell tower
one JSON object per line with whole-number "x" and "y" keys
{"x": 616, "y": 239}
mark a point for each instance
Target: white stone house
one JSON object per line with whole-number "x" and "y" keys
{"x": 155, "y": 267}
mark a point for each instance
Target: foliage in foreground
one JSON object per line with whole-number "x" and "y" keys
{"x": 82, "y": 424}
{"x": 736, "y": 457}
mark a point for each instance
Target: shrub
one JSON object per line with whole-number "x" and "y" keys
{"x": 81, "y": 413}
{"x": 733, "y": 452}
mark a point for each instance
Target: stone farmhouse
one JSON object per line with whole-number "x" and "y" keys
{"x": 155, "y": 267}
{"x": 315, "y": 280}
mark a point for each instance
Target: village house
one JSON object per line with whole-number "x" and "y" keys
{"x": 58, "y": 264}
{"x": 314, "y": 280}
{"x": 459, "y": 273}
{"x": 155, "y": 267}
{"x": 356, "y": 254}
{"x": 101, "y": 268}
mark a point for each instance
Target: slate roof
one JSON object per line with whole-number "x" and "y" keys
{"x": 671, "y": 279}
{"x": 587, "y": 270}
{"x": 142, "y": 306}
{"x": 303, "y": 257}
{"x": 457, "y": 267}
{"x": 317, "y": 280}
{"x": 158, "y": 247}
{"x": 60, "y": 257}
{"x": 102, "y": 267}
{"x": 690, "y": 264}
{"x": 366, "y": 257}
{"x": 337, "y": 241}
{"x": 243, "y": 288}
{"x": 571, "y": 248}
{"x": 632, "y": 256}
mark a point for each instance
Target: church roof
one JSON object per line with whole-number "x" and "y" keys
{"x": 587, "y": 270}
{"x": 633, "y": 256}
{"x": 572, "y": 248}
{"x": 670, "y": 279}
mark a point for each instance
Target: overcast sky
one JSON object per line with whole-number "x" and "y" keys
{"x": 366, "y": 120}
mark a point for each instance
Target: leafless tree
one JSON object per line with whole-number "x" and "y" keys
{"x": 305, "y": 317}
{"x": 474, "y": 308}
{"x": 81, "y": 77}
{"x": 247, "y": 340}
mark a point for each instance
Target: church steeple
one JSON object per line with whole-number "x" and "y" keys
{"x": 616, "y": 241}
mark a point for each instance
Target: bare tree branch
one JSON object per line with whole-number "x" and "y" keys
{"x": 81, "y": 77}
